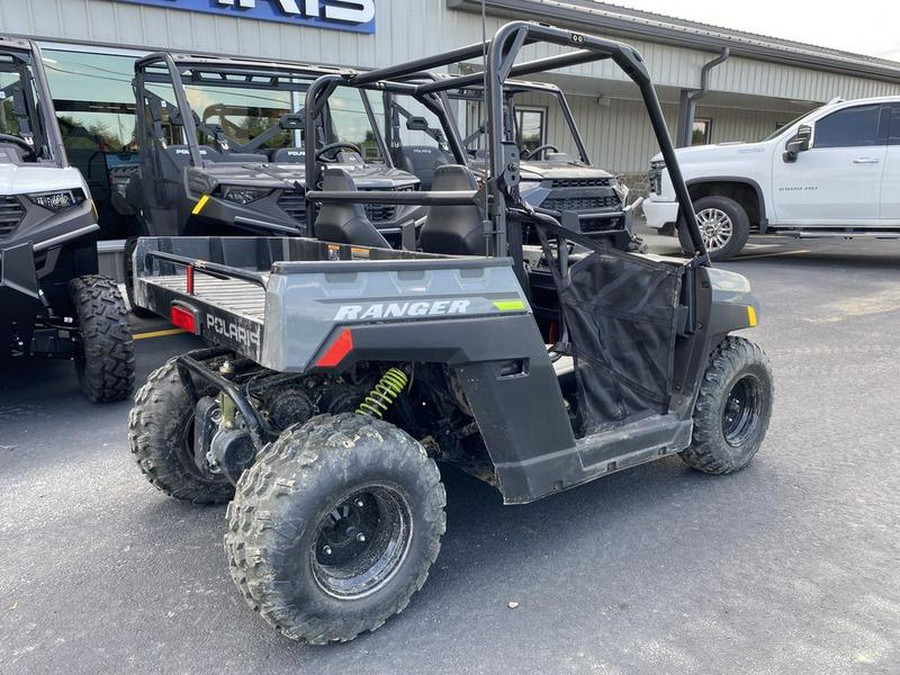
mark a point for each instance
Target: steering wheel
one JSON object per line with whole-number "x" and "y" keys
{"x": 20, "y": 142}
{"x": 538, "y": 150}
{"x": 331, "y": 147}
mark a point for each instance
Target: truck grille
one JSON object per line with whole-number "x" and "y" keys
{"x": 11, "y": 214}
{"x": 582, "y": 194}
{"x": 581, "y": 203}
{"x": 579, "y": 182}
{"x": 293, "y": 203}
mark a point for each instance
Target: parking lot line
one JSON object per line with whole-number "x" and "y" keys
{"x": 157, "y": 333}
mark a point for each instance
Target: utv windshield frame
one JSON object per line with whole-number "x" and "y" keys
{"x": 181, "y": 70}
{"x": 26, "y": 60}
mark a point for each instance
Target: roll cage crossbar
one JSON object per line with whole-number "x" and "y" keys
{"x": 503, "y": 156}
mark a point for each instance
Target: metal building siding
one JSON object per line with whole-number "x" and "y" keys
{"x": 405, "y": 29}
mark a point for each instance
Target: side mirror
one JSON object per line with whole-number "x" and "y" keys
{"x": 417, "y": 124}
{"x": 799, "y": 143}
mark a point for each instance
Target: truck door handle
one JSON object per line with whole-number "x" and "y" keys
{"x": 866, "y": 160}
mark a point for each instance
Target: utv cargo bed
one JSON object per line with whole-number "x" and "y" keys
{"x": 276, "y": 300}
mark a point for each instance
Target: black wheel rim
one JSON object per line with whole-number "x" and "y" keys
{"x": 361, "y": 542}
{"x": 741, "y": 412}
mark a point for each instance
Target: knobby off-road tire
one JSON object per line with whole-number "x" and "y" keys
{"x": 733, "y": 408}
{"x": 140, "y": 312}
{"x": 161, "y": 435}
{"x": 104, "y": 358}
{"x": 293, "y": 526}
{"x": 722, "y": 213}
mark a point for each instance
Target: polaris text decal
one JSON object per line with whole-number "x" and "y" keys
{"x": 397, "y": 310}
{"x": 246, "y": 337}
{"x": 357, "y": 16}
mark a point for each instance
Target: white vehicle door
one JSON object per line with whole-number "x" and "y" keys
{"x": 890, "y": 192}
{"x": 837, "y": 182}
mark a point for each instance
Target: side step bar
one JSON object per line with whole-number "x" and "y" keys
{"x": 831, "y": 234}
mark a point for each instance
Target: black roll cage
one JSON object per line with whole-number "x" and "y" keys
{"x": 503, "y": 156}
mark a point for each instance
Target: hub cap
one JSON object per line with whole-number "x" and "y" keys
{"x": 361, "y": 542}
{"x": 716, "y": 228}
{"x": 740, "y": 415}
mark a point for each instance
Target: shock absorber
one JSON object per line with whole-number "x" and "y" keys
{"x": 383, "y": 394}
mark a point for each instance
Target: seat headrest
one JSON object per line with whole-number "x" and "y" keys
{"x": 451, "y": 177}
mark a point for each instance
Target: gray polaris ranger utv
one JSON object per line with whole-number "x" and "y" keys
{"x": 52, "y": 301}
{"x": 341, "y": 374}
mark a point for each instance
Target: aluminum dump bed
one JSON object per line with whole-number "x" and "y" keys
{"x": 279, "y": 301}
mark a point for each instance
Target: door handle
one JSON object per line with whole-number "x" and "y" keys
{"x": 866, "y": 160}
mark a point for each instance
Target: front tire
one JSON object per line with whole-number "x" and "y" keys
{"x": 104, "y": 357}
{"x": 161, "y": 435}
{"x": 724, "y": 226}
{"x": 335, "y": 527}
{"x": 733, "y": 408}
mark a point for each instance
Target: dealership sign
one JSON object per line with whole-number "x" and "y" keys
{"x": 353, "y": 15}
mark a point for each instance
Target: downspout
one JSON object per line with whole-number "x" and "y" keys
{"x": 689, "y": 100}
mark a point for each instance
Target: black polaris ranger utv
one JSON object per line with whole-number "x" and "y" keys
{"x": 222, "y": 148}
{"x": 343, "y": 373}
{"x": 52, "y": 301}
{"x": 557, "y": 176}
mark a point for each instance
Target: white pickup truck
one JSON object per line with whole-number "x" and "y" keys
{"x": 835, "y": 172}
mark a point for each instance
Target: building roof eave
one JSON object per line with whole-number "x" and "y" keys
{"x": 662, "y": 29}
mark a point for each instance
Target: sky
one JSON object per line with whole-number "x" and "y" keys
{"x": 867, "y": 27}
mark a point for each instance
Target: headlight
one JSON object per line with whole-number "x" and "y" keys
{"x": 198, "y": 183}
{"x": 243, "y": 195}
{"x": 57, "y": 201}
{"x": 529, "y": 185}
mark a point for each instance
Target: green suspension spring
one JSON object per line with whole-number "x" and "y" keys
{"x": 388, "y": 388}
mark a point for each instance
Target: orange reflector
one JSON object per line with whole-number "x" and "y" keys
{"x": 342, "y": 346}
{"x": 184, "y": 319}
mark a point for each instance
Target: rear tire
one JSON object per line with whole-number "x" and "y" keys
{"x": 104, "y": 357}
{"x": 160, "y": 432}
{"x": 335, "y": 527}
{"x": 724, "y": 226}
{"x": 733, "y": 408}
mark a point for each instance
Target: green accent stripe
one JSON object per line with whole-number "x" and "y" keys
{"x": 509, "y": 305}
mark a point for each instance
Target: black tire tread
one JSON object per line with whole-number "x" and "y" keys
{"x": 705, "y": 452}
{"x": 157, "y": 405}
{"x": 282, "y": 469}
{"x": 106, "y": 373}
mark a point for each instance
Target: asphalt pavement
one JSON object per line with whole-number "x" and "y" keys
{"x": 790, "y": 566}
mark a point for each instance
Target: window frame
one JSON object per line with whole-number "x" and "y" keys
{"x": 880, "y": 127}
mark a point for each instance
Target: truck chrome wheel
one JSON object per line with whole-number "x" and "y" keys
{"x": 741, "y": 412}
{"x": 361, "y": 543}
{"x": 716, "y": 228}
